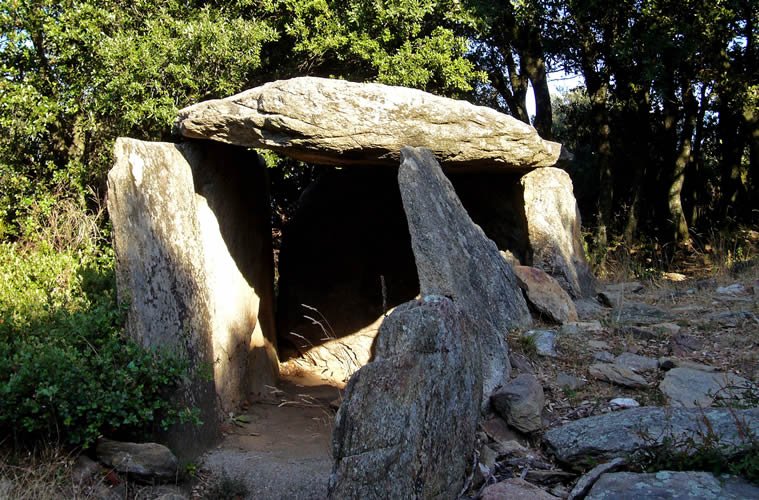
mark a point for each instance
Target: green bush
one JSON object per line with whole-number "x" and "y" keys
{"x": 66, "y": 370}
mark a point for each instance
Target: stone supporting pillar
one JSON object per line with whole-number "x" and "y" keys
{"x": 194, "y": 266}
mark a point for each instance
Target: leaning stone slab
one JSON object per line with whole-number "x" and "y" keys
{"x": 667, "y": 484}
{"x": 145, "y": 460}
{"x": 406, "y": 428}
{"x": 545, "y": 295}
{"x": 335, "y": 122}
{"x": 455, "y": 259}
{"x": 624, "y": 433}
{"x": 553, "y": 227}
{"x": 196, "y": 278}
{"x": 691, "y": 388}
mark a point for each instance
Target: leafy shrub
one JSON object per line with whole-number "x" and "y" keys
{"x": 67, "y": 372}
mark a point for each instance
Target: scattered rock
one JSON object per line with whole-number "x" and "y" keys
{"x": 623, "y": 433}
{"x": 515, "y": 489}
{"x": 734, "y": 289}
{"x": 510, "y": 258}
{"x": 485, "y": 465}
{"x": 637, "y": 332}
{"x": 667, "y": 363}
{"x": 147, "y": 461}
{"x": 84, "y": 469}
{"x": 666, "y": 484}
{"x": 603, "y": 357}
{"x": 583, "y": 485}
{"x": 638, "y": 313}
{"x": 636, "y": 362}
{"x": 681, "y": 344}
{"x": 545, "y": 295}
{"x": 553, "y": 226}
{"x": 567, "y": 381}
{"x": 336, "y": 122}
{"x": 578, "y": 327}
{"x": 598, "y": 344}
{"x": 588, "y": 309}
{"x": 454, "y": 258}
{"x": 732, "y": 319}
{"x": 545, "y": 342}
{"x": 617, "y": 374}
{"x": 624, "y": 403}
{"x": 520, "y": 363}
{"x": 505, "y": 438}
{"x": 415, "y": 406}
{"x": 548, "y": 477}
{"x": 625, "y": 287}
{"x": 666, "y": 328}
{"x": 691, "y": 388}
{"x": 520, "y": 402}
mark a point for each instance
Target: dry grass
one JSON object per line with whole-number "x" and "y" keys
{"x": 40, "y": 475}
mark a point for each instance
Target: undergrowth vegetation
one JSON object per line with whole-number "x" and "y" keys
{"x": 67, "y": 372}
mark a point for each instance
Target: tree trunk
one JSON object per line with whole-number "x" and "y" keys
{"x": 535, "y": 66}
{"x": 674, "y": 199}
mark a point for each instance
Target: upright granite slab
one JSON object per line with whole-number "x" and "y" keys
{"x": 553, "y": 227}
{"x": 455, "y": 259}
{"x": 406, "y": 426}
{"x": 192, "y": 241}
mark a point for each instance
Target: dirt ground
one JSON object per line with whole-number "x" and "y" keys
{"x": 281, "y": 448}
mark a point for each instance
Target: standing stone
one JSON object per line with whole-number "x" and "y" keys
{"x": 553, "y": 225}
{"x": 454, "y": 258}
{"x": 520, "y": 403}
{"x": 336, "y": 122}
{"x": 193, "y": 261}
{"x": 406, "y": 428}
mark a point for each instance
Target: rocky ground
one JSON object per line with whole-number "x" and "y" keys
{"x": 649, "y": 374}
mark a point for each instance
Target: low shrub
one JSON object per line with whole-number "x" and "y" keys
{"x": 67, "y": 372}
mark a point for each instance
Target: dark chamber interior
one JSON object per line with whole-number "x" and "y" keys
{"x": 346, "y": 255}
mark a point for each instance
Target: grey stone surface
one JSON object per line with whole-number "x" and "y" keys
{"x": 670, "y": 485}
{"x": 639, "y": 313}
{"x": 194, "y": 264}
{"x": 603, "y": 357}
{"x": 553, "y": 227}
{"x": 636, "y": 362}
{"x": 588, "y": 309}
{"x": 624, "y": 403}
{"x": 545, "y": 295}
{"x": 520, "y": 402}
{"x": 623, "y": 433}
{"x": 667, "y": 363}
{"x": 337, "y": 122}
{"x": 691, "y": 388}
{"x": 545, "y": 342}
{"x": 146, "y": 460}
{"x": 414, "y": 407}
{"x": 617, "y": 374}
{"x": 454, "y": 258}
{"x": 586, "y": 482}
{"x": 567, "y": 381}
{"x": 515, "y": 489}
